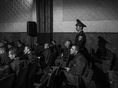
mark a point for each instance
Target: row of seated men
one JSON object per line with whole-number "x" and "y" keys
{"x": 50, "y": 66}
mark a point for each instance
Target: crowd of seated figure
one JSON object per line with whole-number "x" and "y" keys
{"x": 51, "y": 66}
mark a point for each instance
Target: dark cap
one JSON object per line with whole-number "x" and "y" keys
{"x": 79, "y": 23}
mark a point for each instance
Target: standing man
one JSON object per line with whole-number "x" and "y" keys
{"x": 80, "y": 39}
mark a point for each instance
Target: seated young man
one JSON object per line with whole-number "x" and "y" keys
{"x": 15, "y": 62}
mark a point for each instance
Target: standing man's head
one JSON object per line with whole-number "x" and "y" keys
{"x": 79, "y": 25}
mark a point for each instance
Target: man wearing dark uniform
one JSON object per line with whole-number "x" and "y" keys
{"x": 80, "y": 39}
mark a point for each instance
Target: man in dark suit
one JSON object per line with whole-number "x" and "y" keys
{"x": 47, "y": 53}
{"x": 4, "y": 60}
{"x": 75, "y": 70}
{"x": 64, "y": 57}
{"x": 15, "y": 62}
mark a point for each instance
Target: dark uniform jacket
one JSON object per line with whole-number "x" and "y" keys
{"x": 80, "y": 39}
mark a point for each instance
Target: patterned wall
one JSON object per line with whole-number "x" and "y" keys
{"x": 15, "y": 10}
{"x": 15, "y": 13}
{"x": 90, "y": 10}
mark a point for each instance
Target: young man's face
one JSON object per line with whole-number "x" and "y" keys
{"x": 67, "y": 44}
{"x": 46, "y": 45}
{"x": 73, "y": 50}
{"x": 2, "y": 51}
{"x": 11, "y": 56}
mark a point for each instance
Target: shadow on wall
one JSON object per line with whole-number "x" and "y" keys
{"x": 91, "y": 39}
